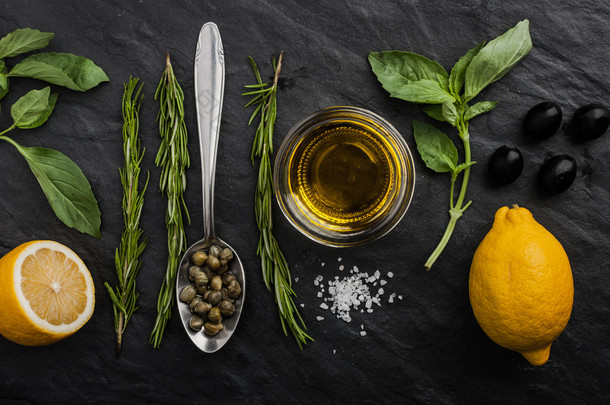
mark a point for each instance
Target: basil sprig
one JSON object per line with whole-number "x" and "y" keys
{"x": 417, "y": 79}
{"x": 65, "y": 186}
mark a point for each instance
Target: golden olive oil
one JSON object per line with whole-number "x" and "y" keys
{"x": 343, "y": 174}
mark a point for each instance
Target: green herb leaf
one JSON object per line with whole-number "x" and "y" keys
{"x": 435, "y": 148}
{"x": 395, "y": 69}
{"x": 31, "y": 108}
{"x": 450, "y": 113}
{"x": 66, "y": 188}
{"x": 435, "y": 111}
{"x": 463, "y": 166}
{"x": 456, "y": 78}
{"x": 22, "y": 41}
{"x": 44, "y": 116}
{"x": 479, "y": 108}
{"x": 63, "y": 69}
{"x": 4, "y": 83}
{"x": 497, "y": 58}
{"x": 423, "y": 91}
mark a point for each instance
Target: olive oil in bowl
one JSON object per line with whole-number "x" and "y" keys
{"x": 344, "y": 176}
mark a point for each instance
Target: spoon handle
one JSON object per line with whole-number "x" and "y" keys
{"x": 209, "y": 89}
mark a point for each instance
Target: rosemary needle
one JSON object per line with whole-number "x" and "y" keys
{"x": 127, "y": 255}
{"x": 274, "y": 267}
{"x": 173, "y": 159}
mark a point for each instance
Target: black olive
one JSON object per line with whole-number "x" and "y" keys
{"x": 543, "y": 120}
{"x": 505, "y": 165}
{"x": 557, "y": 174}
{"x": 591, "y": 121}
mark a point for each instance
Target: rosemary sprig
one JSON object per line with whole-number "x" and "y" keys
{"x": 127, "y": 255}
{"x": 273, "y": 263}
{"x": 173, "y": 159}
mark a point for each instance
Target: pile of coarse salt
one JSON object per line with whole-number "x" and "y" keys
{"x": 353, "y": 292}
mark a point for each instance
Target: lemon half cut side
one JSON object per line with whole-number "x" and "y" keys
{"x": 46, "y": 293}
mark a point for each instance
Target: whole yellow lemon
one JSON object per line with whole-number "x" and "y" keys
{"x": 521, "y": 287}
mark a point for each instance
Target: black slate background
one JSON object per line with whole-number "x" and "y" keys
{"x": 426, "y": 348}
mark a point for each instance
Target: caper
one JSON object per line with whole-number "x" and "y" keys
{"x": 208, "y": 272}
{"x": 214, "y": 315}
{"x": 196, "y": 322}
{"x": 226, "y": 308}
{"x": 201, "y": 280}
{"x": 222, "y": 270}
{"x": 198, "y": 258}
{"x": 213, "y": 262}
{"x": 203, "y": 308}
{"x": 212, "y": 328}
{"x": 226, "y": 254}
{"x": 214, "y": 297}
{"x": 225, "y": 293}
{"x": 223, "y": 262}
{"x": 215, "y": 250}
{"x": 206, "y": 295}
{"x": 234, "y": 289}
{"x": 188, "y": 294}
{"x": 194, "y": 303}
{"x": 227, "y": 278}
{"x": 216, "y": 283}
{"x": 193, "y": 270}
{"x": 201, "y": 289}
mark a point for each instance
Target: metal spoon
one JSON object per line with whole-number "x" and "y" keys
{"x": 209, "y": 88}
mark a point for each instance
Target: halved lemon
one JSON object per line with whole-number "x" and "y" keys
{"x": 46, "y": 293}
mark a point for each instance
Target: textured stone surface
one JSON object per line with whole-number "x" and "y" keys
{"x": 426, "y": 348}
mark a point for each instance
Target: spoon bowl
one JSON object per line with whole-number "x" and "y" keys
{"x": 209, "y": 88}
{"x": 210, "y": 344}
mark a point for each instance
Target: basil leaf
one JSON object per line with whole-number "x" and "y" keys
{"x": 435, "y": 148}
{"x": 443, "y": 81}
{"x": 66, "y": 188}
{"x": 29, "y": 108}
{"x": 395, "y": 69}
{"x": 22, "y": 41}
{"x": 423, "y": 91}
{"x": 435, "y": 111}
{"x": 3, "y": 79}
{"x": 4, "y": 85}
{"x": 463, "y": 166}
{"x": 479, "y": 108}
{"x": 497, "y": 58}
{"x": 44, "y": 116}
{"x": 63, "y": 69}
{"x": 450, "y": 113}
{"x": 456, "y": 78}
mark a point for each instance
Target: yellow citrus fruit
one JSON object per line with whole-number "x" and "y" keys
{"x": 521, "y": 287}
{"x": 46, "y": 293}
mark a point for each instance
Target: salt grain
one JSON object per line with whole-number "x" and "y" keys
{"x": 323, "y": 306}
{"x": 383, "y": 282}
{"x": 362, "y": 333}
{"x": 320, "y": 318}
{"x": 341, "y": 267}
{"x": 390, "y": 274}
{"x": 339, "y": 259}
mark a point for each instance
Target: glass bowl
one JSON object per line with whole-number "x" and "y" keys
{"x": 344, "y": 176}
